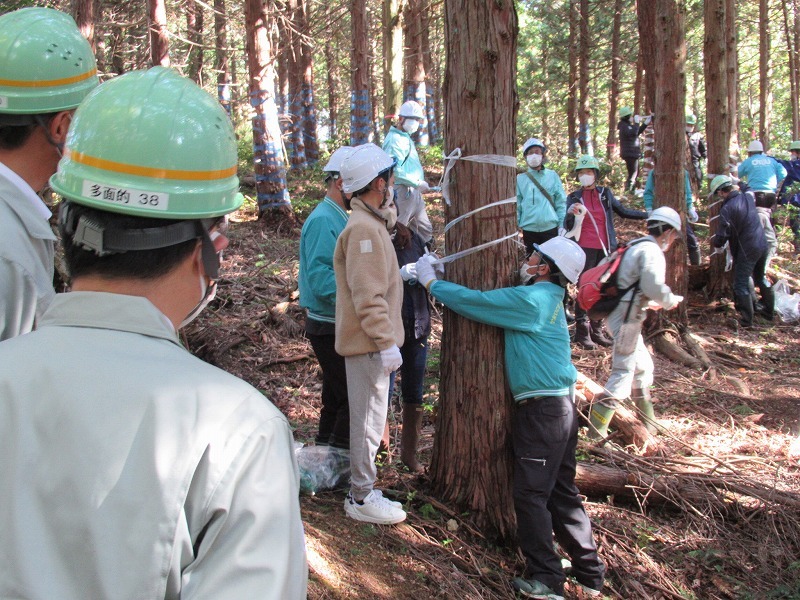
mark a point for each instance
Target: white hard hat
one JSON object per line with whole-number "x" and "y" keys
{"x": 363, "y": 165}
{"x": 566, "y": 254}
{"x": 665, "y": 214}
{"x": 755, "y": 146}
{"x": 530, "y": 142}
{"x": 337, "y": 158}
{"x": 412, "y": 109}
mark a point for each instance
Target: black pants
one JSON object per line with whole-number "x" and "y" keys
{"x": 593, "y": 257}
{"x": 334, "y": 416}
{"x": 545, "y": 497}
{"x": 632, "y": 163}
{"x": 530, "y": 238}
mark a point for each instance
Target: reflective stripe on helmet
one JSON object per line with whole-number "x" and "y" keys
{"x": 152, "y": 172}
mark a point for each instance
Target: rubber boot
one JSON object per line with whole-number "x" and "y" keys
{"x": 599, "y": 334}
{"x": 644, "y": 409}
{"x": 412, "y": 423}
{"x": 744, "y": 305}
{"x": 600, "y": 417}
{"x": 583, "y": 335}
{"x": 694, "y": 256}
{"x": 768, "y": 300}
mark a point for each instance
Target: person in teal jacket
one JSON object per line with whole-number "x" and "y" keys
{"x": 545, "y": 425}
{"x": 409, "y": 182}
{"x": 762, "y": 173}
{"x": 692, "y": 246}
{"x": 541, "y": 200}
{"x": 316, "y": 283}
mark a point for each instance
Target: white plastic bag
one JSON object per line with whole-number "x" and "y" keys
{"x": 322, "y": 468}
{"x": 787, "y": 305}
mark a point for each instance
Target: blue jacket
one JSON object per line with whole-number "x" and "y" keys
{"x": 399, "y": 145}
{"x": 792, "y": 176}
{"x": 534, "y": 211}
{"x": 762, "y": 173}
{"x": 650, "y": 189}
{"x": 538, "y": 359}
{"x": 739, "y": 224}
{"x": 317, "y": 281}
{"x": 609, "y": 203}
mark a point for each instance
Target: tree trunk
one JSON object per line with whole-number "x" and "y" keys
{"x": 360, "y": 104}
{"x": 308, "y": 118}
{"x": 271, "y": 192}
{"x": 332, "y": 82}
{"x": 83, "y": 11}
{"x": 221, "y": 53}
{"x": 427, "y": 62}
{"x": 415, "y": 64}
{"x": 638, "y": 86}
{"x": 282, "y": 47}
{"x": 646, "y": 9}
{"x": 718, "y": 132}
{"x": 292, "y": 37}
{"x": 796, "y": 75}
{"x": 545, "y": 64}
{"x": 159, "y": 34}
{"x": 194, "y": 33}
{"x": 472, "y": 463}
{"x": 392, "y": 60}
{"x": 572, "y": 104}
{"x": 732, "y": 66}
{"x": 584, "y": 134}
{"x": 764, "y": 74}
{"x": 792, "y": 60}
{"x": 612, "y": 152}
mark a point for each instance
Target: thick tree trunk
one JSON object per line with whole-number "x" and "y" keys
{"x": 611, "y": 141}
{"x": 271, "y": 192}
{"x": 392, "y": 60}
{"x": 427, "y": 62}
{"x": 293, "y": 32}
{"x": 796, "y": 46}
{"x": 83, "y": 11}
{"x": 221, "y": 53}
{"x": 414, "y": 63}
{"x": 792, "y": 60}
{"x": 471, "y": 465}
{"x": 194, "y": 33}
{"x": 308, "y": 120}
{"x": 732, "y": 68}
{"x": 572, "y": 92}
{"x": 646, "y": 9}
{"x": 584, "y": 134}
{"x": 360, "y": 103}
{"x": 764, "y": 74}
{"x": 159, "y": 34}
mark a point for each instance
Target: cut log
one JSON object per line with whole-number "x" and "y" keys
{"x": 672, "y": 350}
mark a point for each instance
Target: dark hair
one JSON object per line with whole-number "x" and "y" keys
{"x": 658, "y": 227}
{"x": 15, "y": 130}
{"x": 135, "y": 264}
{"x": 385, "y": 175}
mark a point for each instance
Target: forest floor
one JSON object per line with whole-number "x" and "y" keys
{"x": 727, "y": 431}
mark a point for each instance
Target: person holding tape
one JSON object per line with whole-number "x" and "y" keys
{"x": 541, "y": 376}
{"x": 46, "y": 69}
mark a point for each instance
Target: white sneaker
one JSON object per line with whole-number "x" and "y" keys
{"x": 374, "y": 509}
{"x": 392, "y": 502}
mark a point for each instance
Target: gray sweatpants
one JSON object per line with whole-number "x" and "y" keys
{"x": 631, "y": 366}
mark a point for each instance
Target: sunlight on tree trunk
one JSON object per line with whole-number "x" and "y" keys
{"x": 159, "y": 34}
{"x": 84, "y": 14}
{"x": 392, "y": 60}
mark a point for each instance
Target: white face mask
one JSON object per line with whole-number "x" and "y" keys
{"x": 587, "y": 180}
{"x": 209, "y": 293}
{"x": 410, "y": 126}
{"x": 533, "y": 160}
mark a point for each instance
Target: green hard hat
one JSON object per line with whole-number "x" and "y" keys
{"x": 46, "y": 65}
{"x": 587, "y": 162}
{"x": 718, "y": 182}
{"x": 795, "y": 145}
{"x": 625, "y": 111}
{"x": 691, "y": 119}
{"x": 151, "y": 144}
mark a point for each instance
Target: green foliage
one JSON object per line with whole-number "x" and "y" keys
{"x": 428, "y": 511}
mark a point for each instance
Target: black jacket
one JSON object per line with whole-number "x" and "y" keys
{"x": 609, "y": 203}
{"x": 629, "y": 138}
{"x": 739, "y": 224}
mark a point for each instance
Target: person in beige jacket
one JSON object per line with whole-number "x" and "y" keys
{"x": 369, "y": 326}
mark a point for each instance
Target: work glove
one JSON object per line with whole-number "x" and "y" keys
{"x": 409, "y": 272}
{"x": 438, "y": 268}
{"x": 391, "y": 359}
{"x": 692, "y": 216}
{"x": 426, "y": 274}
{"x": 423, "y": 187}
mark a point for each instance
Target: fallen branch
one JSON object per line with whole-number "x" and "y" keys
{"x": 282, "y": 360}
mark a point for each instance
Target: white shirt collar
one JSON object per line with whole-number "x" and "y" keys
{"x": 27, "y": 191}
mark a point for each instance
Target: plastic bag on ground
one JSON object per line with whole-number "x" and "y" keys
{"x": 322, "y": 468}
{"x": 787, "y": 305}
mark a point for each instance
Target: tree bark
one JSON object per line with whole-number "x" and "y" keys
{"x": 646, "y": 9}
{"x": 427, "y": 62}
{"x": 572, "y": 104}
{"x": 221, "y": 53}
{"x": 271, "y": 192}
{"x": 732, "y": 67}
{"x": 584, "y": 133}
{"x": 83, "y": 12}
{"x": 414, "y": 63}
{"x": 612, "y": 152}
{"x": 293, "y": 32}
{"x": 360, "y": 103}
{"x": 792, "y": 60}
{"x": 194, "y": 33}
{"x": 332, "y": 83}
{"x": 472, "y": 462}
{"x": 159, "y": 34}
{"x": 764, "y": 74}
{"x": 392, "y": 60}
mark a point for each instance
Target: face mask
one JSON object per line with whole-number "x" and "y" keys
{"x": 533, "y": 160}
{"x": 524, "y": 275}
{"x": 689, "y": 129}
{"x": 209, "y": 293}
{"x": 410, "y": 126}
{"x": 586, "y": 180}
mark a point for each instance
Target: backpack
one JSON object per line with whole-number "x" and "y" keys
{"x": 598, "y": 292}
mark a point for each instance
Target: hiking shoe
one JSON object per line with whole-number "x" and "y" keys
{"x": 392, "y": 502}
{"x": 530, "y": 588}
{"x": 590, "y": 592}
{"x": 374, "y": 509}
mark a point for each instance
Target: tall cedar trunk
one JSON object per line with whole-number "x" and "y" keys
{"x": 611, "y": 141}
{"x": 638, "y": 86}
{"x": 392, "y": 60}
{"x": 221, "y": 53}
{"x": 414, "y": 63}
{"x": 194, "y": 33}
{"x": 374, "y": 87}
{"x": 545, "y": 63}
{"x": 293, "y": 32}
{"x": 281, "y": 43}
{"x": 159, "y": 34}
{"x": 427, "y": 64}
{"x": 572, "y": 91}
{"x": 584, "y": 134}
{"x": 307, "y": 88}
{"x": 764, "y": 76}
{"x": 792, "y": 60}
{"x": 360, "y": 105}
{"x": 471, "y": 465}
{"x": 83, "y": 12}
{"x": 670, "y": 143}
{"x": 715, "y": 67}
{"x": 796, "y": 46}
{"x": 270, "y": 173}
{"x": 732, "y": 58}
{"x": 647, "y": 27}
{"x": 332, "y": 82}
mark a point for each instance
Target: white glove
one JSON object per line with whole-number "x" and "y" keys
{"x": 391, "y": 359}
{"x": 409, "y": 272}
{"x": 677, "y": 300}
{"x": 693, "y": 217}
{"x": 438, "y": 268}
{"x": 423, "y": 187}
{"x": 426, "y": 274}
{"x": 720, "y": 250}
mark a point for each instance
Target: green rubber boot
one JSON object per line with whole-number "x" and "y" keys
{"x": 644, "y": 408}
{"x": 600, "y": 417}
